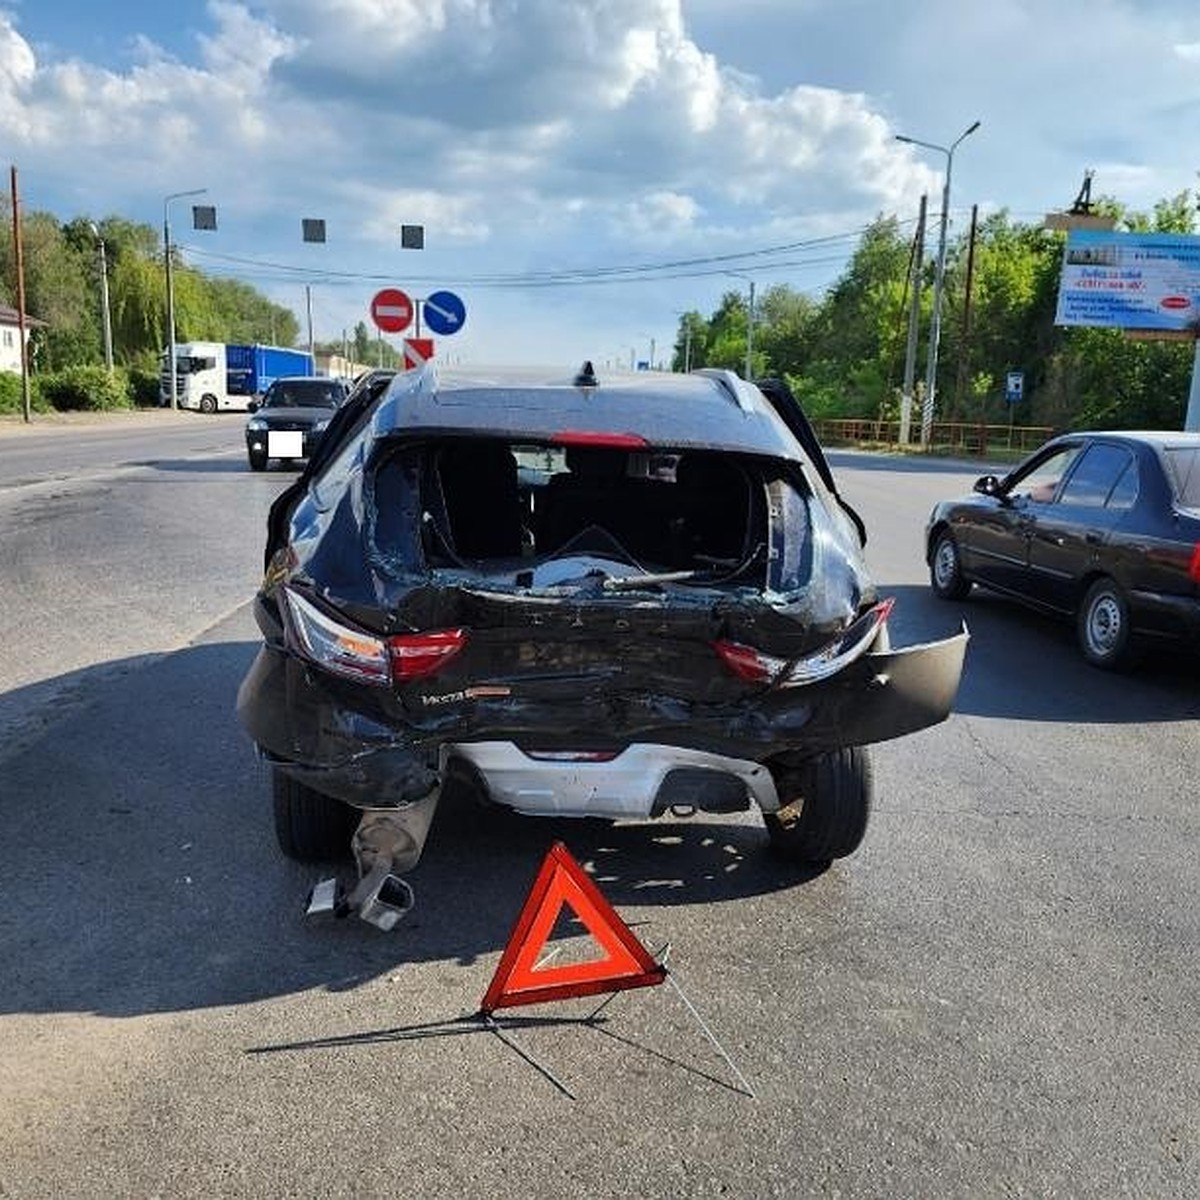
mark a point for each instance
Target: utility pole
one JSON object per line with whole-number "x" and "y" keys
{"x": 750, "y": 336}
{"x": 308, "y": 309}
{"x": 106, "y": 311}
{"x": 19, "y": 262}
{"x": 914, "y": 322}
{"x": 964, "y": 345}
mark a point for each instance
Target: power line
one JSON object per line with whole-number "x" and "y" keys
{"x": 689, "y": 268}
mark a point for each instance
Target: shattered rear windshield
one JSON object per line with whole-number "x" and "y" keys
{"x": 478, "y": 500}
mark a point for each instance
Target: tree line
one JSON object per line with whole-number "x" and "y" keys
{"x": 64, "y": 264}
{"x": 844, "y": 353}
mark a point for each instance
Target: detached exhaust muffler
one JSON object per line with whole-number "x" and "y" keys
{"x": 387, "y": 841}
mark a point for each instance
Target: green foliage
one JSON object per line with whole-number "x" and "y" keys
{"x": 85, "y": 389}
{"x": 64, "y": 289}
{"x": 143, "y": 387}
{"x": 12, "y": 399}
{"x": 844, "y": 352}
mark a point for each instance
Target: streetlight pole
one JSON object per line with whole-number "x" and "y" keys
{"x": 104, "y": 305}
{"x": 171, "y": 288}
{"x": 935, "y": 328}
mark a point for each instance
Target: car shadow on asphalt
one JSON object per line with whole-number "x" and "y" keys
{"x": 217, "y": 466}
{"x": 142, "y": 873}
{"x": 1022, "y": 665}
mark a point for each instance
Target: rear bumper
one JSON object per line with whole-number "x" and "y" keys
{"x": 1160, "y": 615}
{"x": 314, "y": 731}
{"x": 642, "y": 781}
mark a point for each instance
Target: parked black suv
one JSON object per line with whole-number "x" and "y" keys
{"x": 610, "y": 598}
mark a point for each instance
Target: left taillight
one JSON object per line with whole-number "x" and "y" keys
{"x": 354, "y": 654}
{"x": 1194, "y": 565}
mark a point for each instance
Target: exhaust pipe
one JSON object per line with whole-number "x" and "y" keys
{"x": 387, "y": 840}
{"x": 381, "y": 898}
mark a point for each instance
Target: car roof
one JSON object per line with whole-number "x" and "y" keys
{"x": 706, "y": 409}
{"x": 1158, "y": 438}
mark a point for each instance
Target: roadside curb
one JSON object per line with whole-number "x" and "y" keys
{"x": 14, "y": 425}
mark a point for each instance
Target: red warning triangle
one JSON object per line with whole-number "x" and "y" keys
{"x": 518, "y": 980}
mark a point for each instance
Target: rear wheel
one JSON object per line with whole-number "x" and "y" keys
{"x": 1102, "y": 625}
{"x": 825, "y": 804}
{"x": 310, "y": 826}
{"x": 945, "y": 568}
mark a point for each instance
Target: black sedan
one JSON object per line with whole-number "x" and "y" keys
{"x": 1101, "y": 527}
{"x": 290, "y": 419}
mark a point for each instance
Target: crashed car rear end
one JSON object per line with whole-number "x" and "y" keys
{"x": 587, "y": 599}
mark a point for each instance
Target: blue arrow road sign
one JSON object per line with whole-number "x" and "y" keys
{"x": 445, "y": 313}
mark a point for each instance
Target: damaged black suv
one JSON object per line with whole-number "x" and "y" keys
{"x": 609, "y": 598}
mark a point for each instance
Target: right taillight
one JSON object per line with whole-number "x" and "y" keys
{"x": 755, "y": 666}
{"x": 417, "y": 655}
{"x": 1194, "y": 565}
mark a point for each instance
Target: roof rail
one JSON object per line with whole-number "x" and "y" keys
{"x": 732, "y": 383}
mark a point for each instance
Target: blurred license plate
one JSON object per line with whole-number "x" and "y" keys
{"x": 285, "y": 443}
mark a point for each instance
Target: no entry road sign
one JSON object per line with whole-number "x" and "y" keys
{"x": 391, "y": 310}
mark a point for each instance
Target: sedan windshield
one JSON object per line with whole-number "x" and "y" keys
{"x": 317, "y": 394}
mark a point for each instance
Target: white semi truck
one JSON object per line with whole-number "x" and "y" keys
{"x": 215, "y": 376}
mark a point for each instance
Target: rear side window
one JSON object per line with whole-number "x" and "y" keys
{"x": 1183, "y": 471}
{"x": 1102, "y": 472}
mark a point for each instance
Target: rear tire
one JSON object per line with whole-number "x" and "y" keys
{"x": 826, "y": 803}
{"x": 1103, "y": 626}
{"x": 309, "y": 826}
{"x": 945, "y": 568}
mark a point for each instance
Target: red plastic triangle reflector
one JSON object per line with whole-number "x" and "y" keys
{"x": 560, "y": 882}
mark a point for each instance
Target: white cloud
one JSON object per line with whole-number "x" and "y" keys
{"x": 531, "y": 132}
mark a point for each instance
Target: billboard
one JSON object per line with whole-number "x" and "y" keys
{"x": 1143, "y": 281}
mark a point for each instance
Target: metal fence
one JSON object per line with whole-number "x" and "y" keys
{"x": 945, "y": 437}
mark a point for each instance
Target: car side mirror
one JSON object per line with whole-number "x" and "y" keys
{"x": 253, "y": 405}
{"x": 987, "y": 485}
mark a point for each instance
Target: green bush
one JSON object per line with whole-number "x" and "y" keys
{"x": 11, "y": 398}
{"x": 143, "y": 387}
{"x": 85, "y": 389}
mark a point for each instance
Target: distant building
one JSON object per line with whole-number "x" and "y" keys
{"x": 10, "y": 337}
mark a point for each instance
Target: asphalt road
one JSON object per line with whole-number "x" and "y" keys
{"x": 996, "y": 996}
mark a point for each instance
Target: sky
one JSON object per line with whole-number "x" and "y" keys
{"x": 584, "y": 170}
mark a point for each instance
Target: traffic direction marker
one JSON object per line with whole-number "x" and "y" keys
{"x": 391, "y": 310}
{"x": 444, "y": 313}
{"x": 519, "y": 980}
